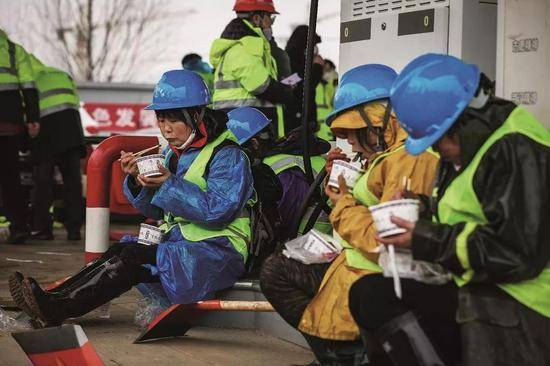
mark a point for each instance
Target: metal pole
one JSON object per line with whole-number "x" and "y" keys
{"x": 307, "y": 86}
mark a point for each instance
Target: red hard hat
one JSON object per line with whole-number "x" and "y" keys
{"x": 254, "y": 5}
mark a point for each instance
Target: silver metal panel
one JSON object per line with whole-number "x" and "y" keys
{"x": 386, "y": 47}
{"x": 524, "y": 55}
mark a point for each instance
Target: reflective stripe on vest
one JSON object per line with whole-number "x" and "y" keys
{"x": 235, "y": 103}
{"x": 57, "y": 108}
{"x": 238, "y": 231}
{"x": 52, "y": 92}
{"x": 56, "y": 91}
{"x": 281, "y": 162}
{"x": 460, "y": 204}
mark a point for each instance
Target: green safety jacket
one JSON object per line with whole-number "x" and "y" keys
{"x": 491, "y": 223}
{"x": 244, "y": 68}
{"x": 238, "y": 231}
{"x": 324, "y": 98}
{"x": 56, "y": 89}
{"x": 15, "y": 67}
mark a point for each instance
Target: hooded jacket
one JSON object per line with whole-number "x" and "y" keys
{"x": 328, "y": 316}
{"x": 511, "y": 186}
{"x": 245, "y": 71}
{"x": 20, "y": 103}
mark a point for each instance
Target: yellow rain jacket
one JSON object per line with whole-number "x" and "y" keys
{"x": 327, "y": 315}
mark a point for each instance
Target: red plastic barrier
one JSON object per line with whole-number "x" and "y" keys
{"x": 98, "y": 188}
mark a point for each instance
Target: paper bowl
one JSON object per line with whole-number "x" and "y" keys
{"x": 351, "y": 173}
{"x": 149, "y": 165}
{"x": 149, "y": 235}
{"x": 406, "y": 209}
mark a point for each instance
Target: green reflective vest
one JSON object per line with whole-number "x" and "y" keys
{"x": 361, "y": 193}
{"x": 238, "y": 231}
{"x": 244, "y": 68}
{"x": 15, "y": 68}
{"x": 281, "y": 162}
{"x": 324, "y": 98}
{"x": 56, "y": 89}
{"x": 460, "y": 204}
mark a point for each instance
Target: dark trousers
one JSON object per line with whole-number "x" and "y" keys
{"x": 373, "y": 304}
{"x": 69, "y": 166}
{"x": 13, "y": 198}
{"x": 290, "y": 285}
{"x": 134, "y": 256}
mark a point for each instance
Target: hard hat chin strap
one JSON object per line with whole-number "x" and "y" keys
{"x": 194, "y": 121}
{"x": 381, "y": 144}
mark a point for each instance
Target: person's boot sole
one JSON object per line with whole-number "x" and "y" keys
{"x": 16, "y": 291}
{"x": 38, "y": 318}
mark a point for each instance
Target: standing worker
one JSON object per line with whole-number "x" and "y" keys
{"x": 296, "y": 49}
{"x": 18, "y": 117}
{"x": 245, "y": 71}
{"x": 193, "y": 62}
{"x": 490, "y": 225}
{"x": 324, "y": 99}
{"x": 61, "y": 143}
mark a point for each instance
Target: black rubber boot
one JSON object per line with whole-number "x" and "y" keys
{"x": 407, "y": 344}
{"x": 96, "y": 287}
{"x": 336, "y": 353}
{"x": 16, "y": 291}
{"x": 90, "y": 267}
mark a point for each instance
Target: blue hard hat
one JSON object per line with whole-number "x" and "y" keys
{"x": 429, "y": 95}
{"x": 246, "y": 122}
{"x": 179, "y": 89}
{"x": 360, "y": 85}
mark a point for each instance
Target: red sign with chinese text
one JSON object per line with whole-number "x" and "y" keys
{"x": 120, "y": 117}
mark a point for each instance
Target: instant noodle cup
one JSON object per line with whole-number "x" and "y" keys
{"x": 351, "y": 173}
{"x": 406, "y": 209}
{"x": 149, "y": 235}
{"x": 149, "y": 165}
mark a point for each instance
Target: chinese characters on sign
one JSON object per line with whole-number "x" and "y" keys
{"x": 121, "y": 117}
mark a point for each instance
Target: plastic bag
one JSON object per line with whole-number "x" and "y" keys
{"x": 312, "y": 248}
{"x": 147, "y": 310}
{"x": 153, "y": 303}
{"x": 417, "y": 270}
{"x": 11, "y": 324}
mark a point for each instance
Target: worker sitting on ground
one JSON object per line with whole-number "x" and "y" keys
{"x": 313, "y": 298}
{"x": 202, "y": 195}
{"x": 283, "y": 156}
{"x": 490, "y": 225}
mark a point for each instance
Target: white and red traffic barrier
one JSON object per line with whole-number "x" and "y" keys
{"x": 178, "y": 319}
{"x": 98, "y": 184}
{"x": 65, "y": 345}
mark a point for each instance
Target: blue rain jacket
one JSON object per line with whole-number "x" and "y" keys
{"x": 193, "y": 271}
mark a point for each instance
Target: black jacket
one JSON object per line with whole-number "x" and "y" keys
{"x": 13, "y": 112}
{"x": 296, "y": 49}
{"x": 59, "y": 133}
{"x": 512, "y": 185}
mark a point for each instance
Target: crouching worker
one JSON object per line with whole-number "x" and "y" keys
{"x": 313, "y": 298}
{"x": 284, "y": 158}
{"x": 202, "y": 195}
{"x": 490, "y": 225}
